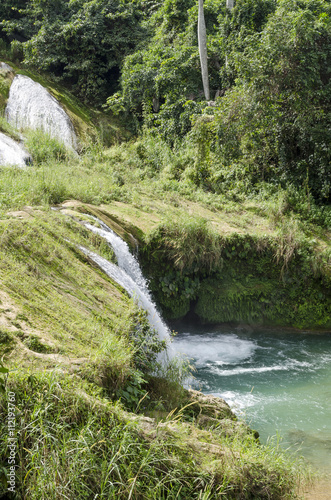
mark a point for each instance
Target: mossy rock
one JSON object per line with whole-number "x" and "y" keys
{"x": 206, "y": 405}
{"x": 111, "y": 222}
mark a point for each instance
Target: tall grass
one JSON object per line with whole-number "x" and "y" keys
{"x": 147, "y": 168}
{"x": 72, "y": 443}
{"x": 45, "y": 148}
{"x": 8, "y": 129}
{"x": 188, "y": 241}
{"x": 53, "y": 183}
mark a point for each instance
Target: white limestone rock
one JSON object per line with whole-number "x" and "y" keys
{"x": 5, "y": 68}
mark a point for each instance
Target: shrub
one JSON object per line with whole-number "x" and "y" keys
{"x": 45, "y": 148}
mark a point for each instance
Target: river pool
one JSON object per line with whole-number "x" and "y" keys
{"x": 279, "y": 381}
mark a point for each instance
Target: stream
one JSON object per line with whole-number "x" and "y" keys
{"x": 279, "y": 381}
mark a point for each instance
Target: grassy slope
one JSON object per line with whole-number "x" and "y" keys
{"x": 275, "y": 259}
{"x": 54, "y": 291}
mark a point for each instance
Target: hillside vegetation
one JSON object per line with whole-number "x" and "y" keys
{"x": 228, "y": 201}
{"x": 71, "y": 335}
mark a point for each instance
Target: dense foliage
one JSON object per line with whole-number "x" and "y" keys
{"x": 277, "y": 119}
{"x": 269, "y": 69}
{"x": 254, "y": 279}
{"x": 81, "y": 42}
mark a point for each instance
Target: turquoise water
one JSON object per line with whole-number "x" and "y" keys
{"x": 280, "y": 382}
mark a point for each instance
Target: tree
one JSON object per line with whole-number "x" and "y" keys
{"x": 81, "y": 42}
{"x": 276, "y": 122}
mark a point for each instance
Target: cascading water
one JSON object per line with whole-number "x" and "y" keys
{"x": 125, "y": 259}
{"x": 128, "y": 274}
{"x": 12, "y": 153}
{"x": 30, "y": 105}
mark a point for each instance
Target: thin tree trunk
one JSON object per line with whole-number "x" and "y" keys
{"x": 202, "y": 40}
{"x": 229, "y": 5}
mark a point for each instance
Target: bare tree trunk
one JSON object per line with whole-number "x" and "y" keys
{"x": 202, "y": 40}
{"x": 229, "y": 5}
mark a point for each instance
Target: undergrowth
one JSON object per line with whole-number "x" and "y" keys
{"x": 283, "y": 278}
{"x": 132, "y": 171}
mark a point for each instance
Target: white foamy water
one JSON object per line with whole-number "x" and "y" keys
{"x": 125, "y": 259}
{"x": 12, "y": 153}
{"x": 295, "y": 365}
{"x": 31, "y": 106}
{"x": 128, "y": 274}
{"x": 219, "y": 350}
{"x": 238, "y": 401}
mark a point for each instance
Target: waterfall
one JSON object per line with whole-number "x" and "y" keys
{"x": 128, "y": 274}
{"x": 12, "y": 153}
{"x": 30, "y": 105}
{"x": 125, "y": 259}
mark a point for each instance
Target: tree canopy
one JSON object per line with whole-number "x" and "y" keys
{"x": 268, "y": 63}
{"x": 81, "y": 42}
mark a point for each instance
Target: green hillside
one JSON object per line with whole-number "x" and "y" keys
{"x": 228, "y": 202}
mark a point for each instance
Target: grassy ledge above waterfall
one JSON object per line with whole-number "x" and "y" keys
{"x": 224, "y": 267}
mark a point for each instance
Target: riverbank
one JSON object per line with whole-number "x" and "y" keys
{"x": 320, "y": 490}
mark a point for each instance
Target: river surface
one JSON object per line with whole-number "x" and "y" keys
{"x": 280, "y": 382}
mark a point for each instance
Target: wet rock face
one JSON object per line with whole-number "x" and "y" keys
{"x": 12, "y": 153}
{"x": 30, "y": 105}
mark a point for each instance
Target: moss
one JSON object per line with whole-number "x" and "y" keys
{"x": 35, "y": 344}
{"x": 112, "y": 222}
{"x": 172, "y": 307}
{"x": 69, "y": 302}
{"x": 251, "y": 282}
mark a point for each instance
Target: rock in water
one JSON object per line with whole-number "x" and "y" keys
{"x": 12, "y": 153}
{"x": 30, "y": 105}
